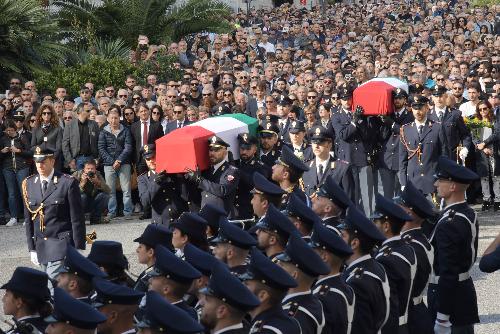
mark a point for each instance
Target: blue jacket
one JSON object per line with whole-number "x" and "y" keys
{"x": 112, "y": 148}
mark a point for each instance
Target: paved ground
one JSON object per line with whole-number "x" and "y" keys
{"x": 13, "y": 253}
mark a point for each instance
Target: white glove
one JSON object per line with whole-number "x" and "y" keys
{"x": 463, "y": 153}
{"x": 402, "y": 188}
{"x": 34, "y": 258}
{"x": 442, "y": 327}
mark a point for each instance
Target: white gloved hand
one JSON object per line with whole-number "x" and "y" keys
{"x": 34, "y": 258}
{"x": 464, "y": 151}
{"x": 442, "y": 327}
{"x": 402, "y": 188}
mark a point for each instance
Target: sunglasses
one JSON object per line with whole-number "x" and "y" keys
{"x": 243, "y": 77}
{"x": 437, "y": 65}
{"x": 194, "y": 84}
{"x": 65, "y": 118}
{"x": 206, "y": 94}
{"x": 110, "y": 90}
{"x": 184, "y": 98}
{"x": 130, "y": 113}
{"x": 155, "y": 113}
{"x": 34, "y": 120}
{"x": 136, "y": 99}
{"x": 171, "y": 96}
{"x": 484, "y": 109}
{"x": 439, "y": 79}
{"x": 311, "y": 97}
{"x": 269, "y": 101}
{"x": 14, "y": 83}
{"x": 122, "y": 95}
{"x": 177, "y": 112}
{"x": 228, "y": 94}
{"x": 46, "y": 113}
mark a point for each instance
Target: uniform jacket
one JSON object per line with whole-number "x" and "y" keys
{"x": 340, "y": 171}
{"x": 454, "y": 129}
{"x": 420, "y": 168}
{"x": 297, "y": 191}
{"x": 305, "y": 152}
{"x": 164, "y": 199}
{"x": 400, "y": 264}
{"x": 63, "y": 217}
{"x": 37, "y": 323}
{"x": 369, "y": 281}
{"x": 389, "y": 154}
{"x": 307, "y": 310}
{"x": 112, "y": 148}
{"x": 243, "y": 196}
{"x": 338, "y": 300}
{"x": 455, "y": 241}
{"x": 269, "y": 158}
{"x": 71, "y": 139}
{"x": 274, "y": 321}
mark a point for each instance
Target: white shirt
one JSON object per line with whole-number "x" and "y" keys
{"x": 468, "y": 109}
{"x": 439, "y": 112}
{"x": 268, "y": 46}
{"x": 216, "y": 167}
{"x": 321, "y": 163}
{"x": 148, "y": 122}
{"x": 48, "y": 178}
{"x": 418, "y": 124}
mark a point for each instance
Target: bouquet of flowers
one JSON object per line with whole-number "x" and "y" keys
{"x": 475, "y": 125}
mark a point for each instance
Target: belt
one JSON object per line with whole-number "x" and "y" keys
{"x": 461, "y": 277}
{"x": 417, "y": 300}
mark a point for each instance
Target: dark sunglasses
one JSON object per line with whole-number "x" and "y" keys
{"x": 110, "y": 90}
{"x": 65, "y": 118}
{"x": 129, "y": 114}
{"x": 178, "y": 111}
{"x": 122, "y": 96}
{"x": 206, "y": 94}
{"x": 34, "y": 120}
{"x": 155, "y": 113}
{"x": 46, "y": 113}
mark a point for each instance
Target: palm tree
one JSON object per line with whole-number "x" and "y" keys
{"x": 28, "y": 38}
{"x": 161, "y": 20}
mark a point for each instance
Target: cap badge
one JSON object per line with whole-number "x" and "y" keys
{"x": 245, "y": 137}
{"x": 214, "y": 139}
{"x": 318, "y": 131}
{"x": 294, "y": 123}
{"x": 268, "y": 126}
{"x": 38, "y": 150}
{"x": 146, "y": 148}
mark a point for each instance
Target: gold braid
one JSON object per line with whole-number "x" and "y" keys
{"x": 34, "y": 213}
{"x": 411, "y": 152}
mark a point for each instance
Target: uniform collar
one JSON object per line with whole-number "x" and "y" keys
{"x": 229, "y": 328}
{"x": 48, "y": 178}
{"x": 31, "y": 316}
{"x": 449, "y": 206}
{"x": 410, "y": 230}
{"x": 358, "y": 260}
{"x": 130, "y": 331}
{"x": 394, "y": 238}
{"x": 417, "y": 123}
{"x": 217, "y": 166}
{"x": 326, "y": 278}
{"x": 296, "y": 294}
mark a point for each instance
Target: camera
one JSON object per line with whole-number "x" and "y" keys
{"x": 91, "y": 175}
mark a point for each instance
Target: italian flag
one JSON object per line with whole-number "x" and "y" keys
{"x": 187, "y": 147}
{"x": 375, "y": 95}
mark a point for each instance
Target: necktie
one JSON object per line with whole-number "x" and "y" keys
{"x": 44, "y": 187}
{"x": 420, "y": 130}
{"x": 440, "y": 115}
{"x": 179, "y": 125}
{"x": 145, "y": 133}
{"x": 320, "y": 172}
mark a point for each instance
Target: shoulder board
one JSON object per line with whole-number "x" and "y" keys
{"x": 409, "y": 124}
{"x": 293, "y": 308}
{"x": 312, "y": 163}
{"x": 67, "y": 175}
{"x": 31, "y": 176}
{"x": 387, "y": 251}
{"x": 143, "y": 173}
{"x": 324, "y": 289}
{"x": 407, "y": 237}
{"x": 358, "y": 272}
{"x": 451, "y": 215}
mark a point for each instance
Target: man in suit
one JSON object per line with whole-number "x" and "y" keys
{"x": 323, "y": 165}
{"x": 180, "y": 120}
{"x": 451, "y": 293}
{"x": 458, "y": 137}
{"x": 422, "y": 142}
{"x": 144, "y": 131}
{"x": 80, "y": 137}
{"x": 218, "y": 184}
{"x": 389, "y": 153}
{"x": 54, "y": 216}
{"x": 160, "y": 191}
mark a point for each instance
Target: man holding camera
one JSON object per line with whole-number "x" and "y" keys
{"x": 94, "y": 191}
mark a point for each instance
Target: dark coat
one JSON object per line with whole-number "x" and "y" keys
{"x": 155, "y": 131}
{"x": 389, "y": 153}
{"x": 274, "y": 320}
{"x": 52, "y": 137}
{"x": 20, "y": 160}
{"x": 340, "y": 171}
{"x": 307, "y": 310}
{"x": 454, "y": 129}
{"x": 112, "y": 148}
{"x": 171, "y": 126}
{"x": 71, "y": 140}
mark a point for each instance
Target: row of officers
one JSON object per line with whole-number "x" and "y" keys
{"x": 294, "y": 271}
{"x": 365, "y": 155}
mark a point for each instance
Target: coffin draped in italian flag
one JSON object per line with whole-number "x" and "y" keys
{"x": 375, "y": 95}
{"x": 188, "y": 147}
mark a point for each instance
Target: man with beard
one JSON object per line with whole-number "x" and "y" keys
{"x": 118, "y": 304}
{"x": 287, "y": 172}
{"x": 226, "y": 303}
{"x": 248, "y": 164}
{"x": 389, "y": 155}
{"x": 269, "y": 150}
{"x": 218, "y": 184}
{"x": 330, "y": 203}
{"x": 264, "y": 194}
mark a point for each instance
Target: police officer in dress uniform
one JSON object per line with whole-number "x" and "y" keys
{"x": 108, "y": 256}
{"x": 357, "y": 141}
{"x": 398, "y": 259}
{"x": 118, "y": 303}
{"x": 269, "y": 144}
{"x": 232, "y": 246}
{"x": 54, "y": 216}
{"x": 458, "y": 137}
{"x": 76, "y": 274}
{"x": 287, "y": 172}
{"x": 71, "y": 315}
{"x": 212, "y": 215}
{"x": 389, "y": 153}
{"x": 26, "y": 299}
{"x": 226, "y": 302}
{"x": 330, "y": 203}
{"x": 364, "y": 274}
{"x": 300, "y": 147}
{"x": 422, "y": 142}
{"x": 248, "y": 164}
{"x": 265, "y": 276}
{"x": 337, "y": 297}
{"x": 172, "y": 277}
{"x": 218, "y": 184}
{"x": 273, "y": 231}
{"x": 283, "y": 109}
{"x": 264, "y": 194}
{"x": 160, "y": 191}
{"x": 419, "y": 208}
{"x": 153, "y": 235}
{"x": 324, "y": 165}
{"x": 160, "y": 316}
{"x": 305, "y": 265}
{"x": 302, "y": 216}
{"x": 451, "y": 293}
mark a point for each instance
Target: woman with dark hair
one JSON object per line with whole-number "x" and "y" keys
{"x": 15, "y": 157}
{"x": 48, "y": 132}
{"x": 487, "y": 141}
{"x": 157, "y": 115}
{"x": 128, "y": 115}
{"x": 27, "y": 300}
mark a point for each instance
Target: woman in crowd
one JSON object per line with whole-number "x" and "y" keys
{"x": 16, "y": 159}
{"x": 48, "y": 132}
{"x": 487, "y": 140}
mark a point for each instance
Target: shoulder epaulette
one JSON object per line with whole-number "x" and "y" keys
{"x": 257, "y": 327}
{"x": 324, "y": 289}
{"x": 143, "y": 173}
{"x": 312, "y": 163}
{"x": 294, "y": 308}
{"x": 358, "y": 272}
{"x": 31, "y": 176}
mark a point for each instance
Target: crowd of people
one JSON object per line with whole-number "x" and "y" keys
{"x": 327, "y": 222}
